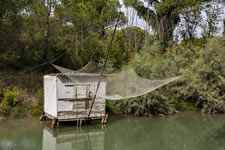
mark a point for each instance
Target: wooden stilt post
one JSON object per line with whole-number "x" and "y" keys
{"x": 81, "y": 122}
{"x": 78, "y": 122}
{"x": 106, "y": 118}
{"x": 54, "y": 121}
{"x": 57, "y": 123}
{"x": 102, "y": 121}
{"x": 42, "y": 117}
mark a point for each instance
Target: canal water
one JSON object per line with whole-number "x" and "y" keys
{"x": 185, "y": 131}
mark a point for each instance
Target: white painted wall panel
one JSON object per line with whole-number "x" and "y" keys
{"x": 65, "y": 91}
{"x": 65, "y": 105}
{"x": 82, "y": 91}
{"x": 50, "y": 95}
{"x": 81, "y": 84}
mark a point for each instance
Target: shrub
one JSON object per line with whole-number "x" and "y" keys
{"x": 151, "y": 64}
{"x": 39, "y": 97}
{"x": 206, "y": 78}
{"x": 36, "y": 111}
{"x": 202, "y": 85}
{"x": 147, "y": 105}
{"x": 17, "y": 111}
{"x": 9, "y": 101}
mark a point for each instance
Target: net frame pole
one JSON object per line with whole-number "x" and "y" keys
{"x": 104, "y": 65}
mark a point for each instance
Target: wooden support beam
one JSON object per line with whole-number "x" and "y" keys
{"x": 106, "y": 118}
{"x": 54, "y": 121}
{"x": 78, "y": 122}
{"x": 81, "y": 122}
{"x": 42, "y": 117}
{"x": 57, "y": 123}
{"x": 102, "y": 121}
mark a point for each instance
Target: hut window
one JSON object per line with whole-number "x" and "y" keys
{"x": 82, "y": 91}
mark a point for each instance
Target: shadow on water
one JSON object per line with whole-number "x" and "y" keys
{"x": 185, "y": 131}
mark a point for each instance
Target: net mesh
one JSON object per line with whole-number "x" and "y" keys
{"x": 123, "y": 85}
{"x": 91, "y": 67}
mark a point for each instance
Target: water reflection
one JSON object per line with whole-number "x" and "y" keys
{"x": 62, "y": 139}
{"x": 186, "y": 131}
{"x": 189, "y": 131}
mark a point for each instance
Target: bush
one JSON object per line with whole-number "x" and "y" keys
{"x": 17, "y": 111}
{"x": 9, "y": 101}
{"x": 152, "y": 64}
{"x": 147, "y": 105}
{"x": 202, "y": 85}
{"x": 36, "y": 111}
{"x": 206, "y": 78}
{"x": 18, "y": 103}
{"x": 21, "y": 95}
{"x": 39, "y": 97}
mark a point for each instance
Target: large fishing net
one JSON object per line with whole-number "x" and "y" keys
{"x": 122, "y": 85}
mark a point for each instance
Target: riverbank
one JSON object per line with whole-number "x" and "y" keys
{"x": 20, "y": 95}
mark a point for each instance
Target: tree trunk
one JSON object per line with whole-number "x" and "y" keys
{"x": 47, "y": 33}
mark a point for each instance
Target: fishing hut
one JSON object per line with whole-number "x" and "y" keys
{"x": 69, "y": 96}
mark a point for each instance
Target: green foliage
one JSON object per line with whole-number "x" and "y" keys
{"x": 17, "y": 111}
{"x": 36, "y": 111}
{"x": 224, "y": 27}
{"x": 127, "y": 43}
{"x": 112, "y": 107}
{"x": 163, "y": 16}
{"x": 182, "y": 105}
{"x": 150, "y": 104}
{"x": 15, "y": 98}
{"x": 205, "y": 78}
{"x": 39, "y": 96}
{"x": 33, "y": 32}
{"x": 152, "y": 64}
{"x": 202, "y": 84}
{"x": 37, "y": 31}
{"x": 9, "y": 101}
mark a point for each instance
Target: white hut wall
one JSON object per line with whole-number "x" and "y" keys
{"x": 77, "y": 108}
{"x": 50, "y": 95}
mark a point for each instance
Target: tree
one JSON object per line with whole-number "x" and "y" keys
{"x": 224, "y": 27}
{"x": 10, "y": 29}
{"x": 82, "y": 19}
{"x": 191, "y": 19}
{"x": 42, "y": 29}
{"x": 205, "y": 78}
{"x": 210, "y": 25}
{"x": 124, "y": 48}
{"x": 163, "y": 16}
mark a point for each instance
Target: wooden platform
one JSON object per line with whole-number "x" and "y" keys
{"x": 55, "y": 121}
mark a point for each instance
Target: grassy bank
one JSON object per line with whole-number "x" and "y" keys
{"x": 20, "y": 95}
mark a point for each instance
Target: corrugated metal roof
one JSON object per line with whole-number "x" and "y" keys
{"x": 76, "y": 74}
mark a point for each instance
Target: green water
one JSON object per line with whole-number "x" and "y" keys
{"x": 185, "y": 131}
